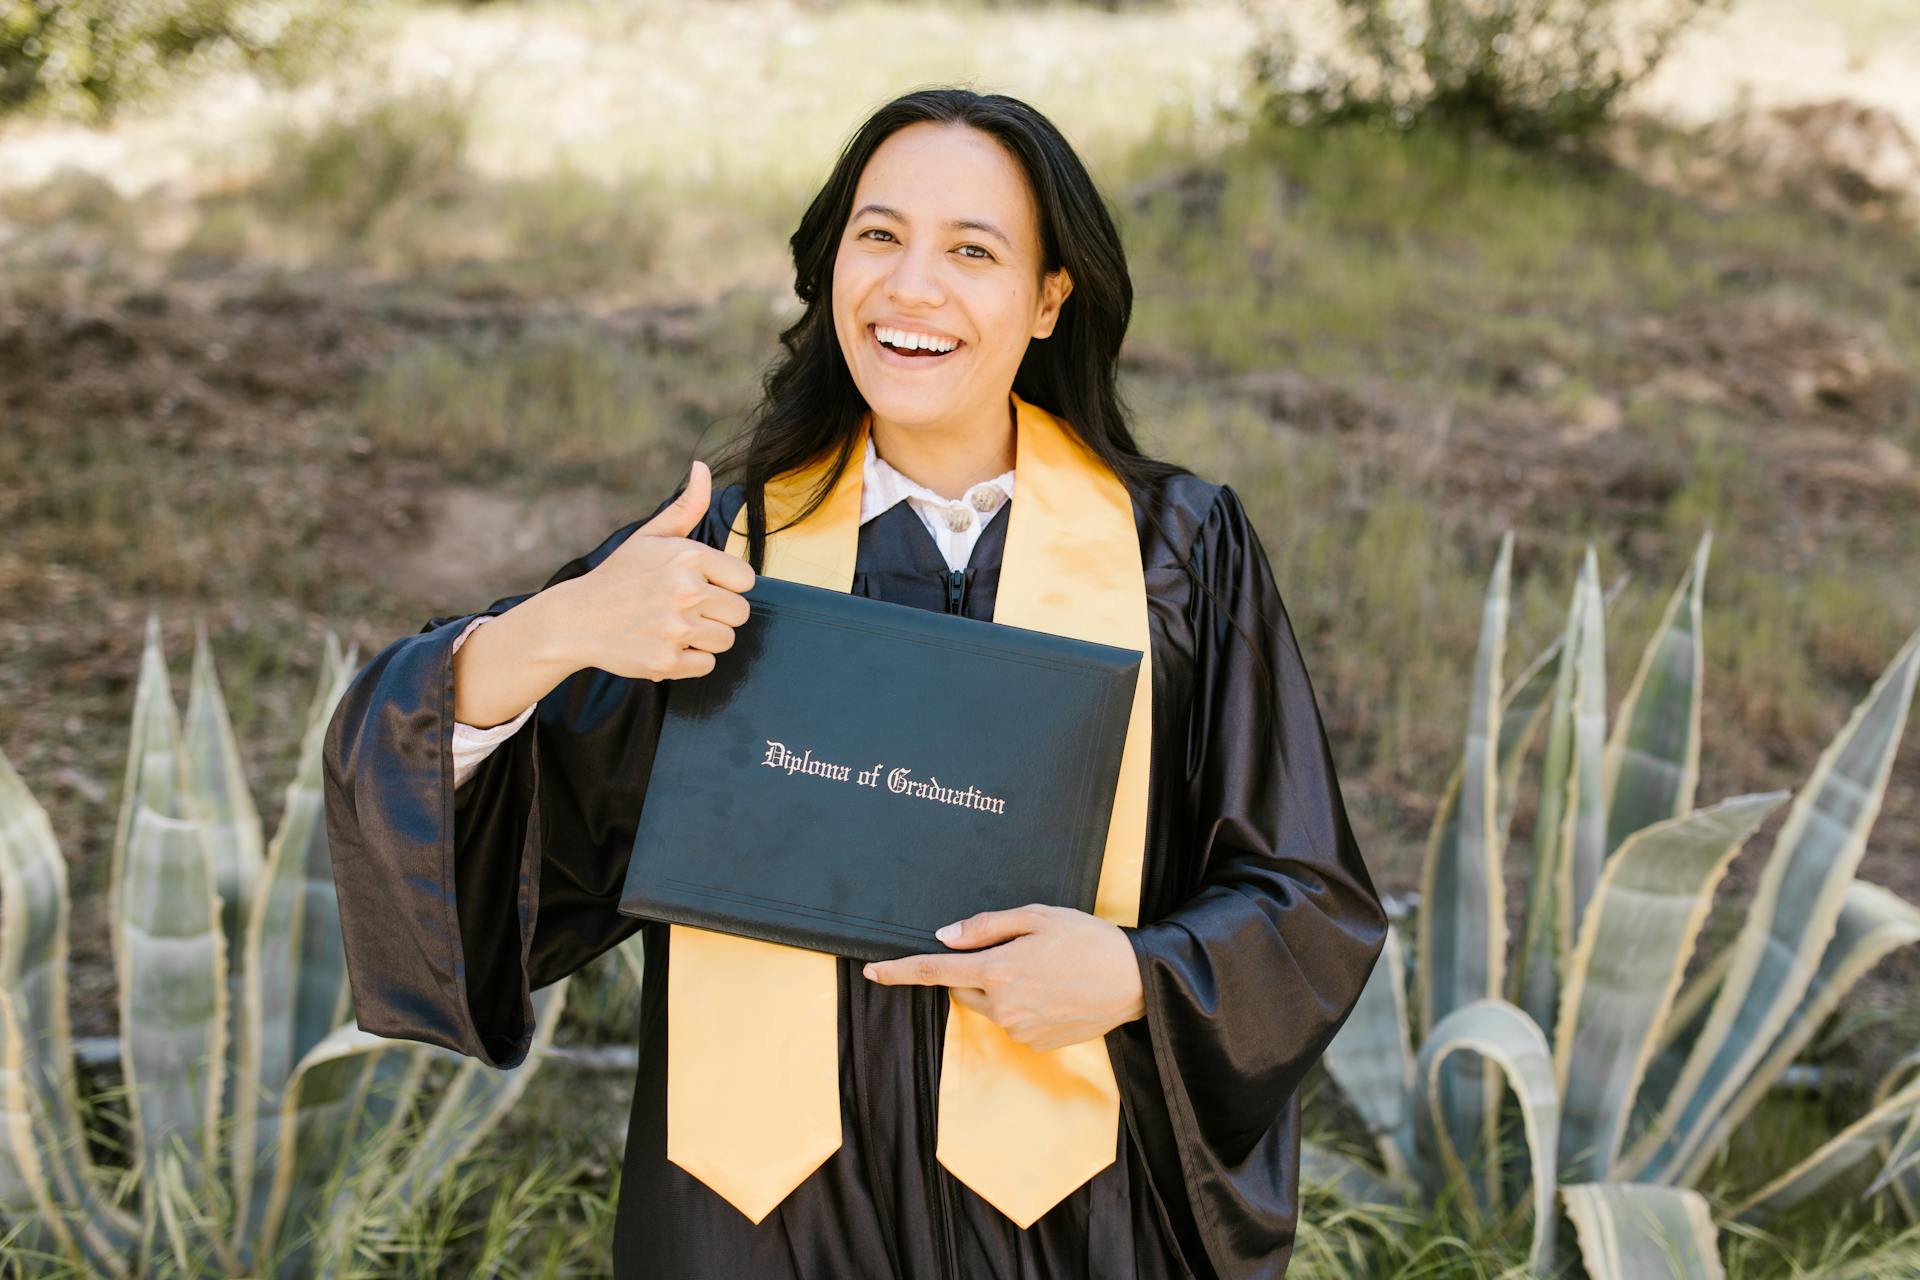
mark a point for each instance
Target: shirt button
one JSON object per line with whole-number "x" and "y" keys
{"x": 959, "y": 519}
{"x": 986, "y": 499}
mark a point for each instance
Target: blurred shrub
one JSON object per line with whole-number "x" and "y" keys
{"x": 86, "y": 58}
{"x": 352, "y": 169}
{"x": 1531, "y": 71}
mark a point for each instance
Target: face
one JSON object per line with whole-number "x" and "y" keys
{"x": 942, "y": 250}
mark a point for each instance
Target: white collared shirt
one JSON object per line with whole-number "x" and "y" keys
{"x": 955, "y": 524}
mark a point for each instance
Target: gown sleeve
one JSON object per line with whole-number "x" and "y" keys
{"x": 1248, "y": 978}
{"x": 455, "y": 905}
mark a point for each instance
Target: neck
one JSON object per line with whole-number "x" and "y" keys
{"x": 949, "y": 458}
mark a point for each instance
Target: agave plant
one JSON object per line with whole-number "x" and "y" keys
{"x": 252, "y": 1097}
{"x": 1627, "y": 1080}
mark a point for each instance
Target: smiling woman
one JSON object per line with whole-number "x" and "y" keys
{"x": 1058, "y": 1092}
{"x": 932, "y": 322}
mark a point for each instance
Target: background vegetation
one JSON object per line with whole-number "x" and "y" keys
{"x": 90, "y": 58}
{"x": 404, "y": 334}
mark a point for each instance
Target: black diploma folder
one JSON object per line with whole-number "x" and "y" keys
{"x": 854, "y": 774}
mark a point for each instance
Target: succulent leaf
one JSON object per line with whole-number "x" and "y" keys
{"x": 1653, "y": 756}
{"x": 1507, "y": 1038}
{"x": 279, "y": 918}
{"x": 1852, "y": 1146}
{"x": 1873, "y": 924}
{"x": 1792, "y": 918}
{"x": 1371, "y": 1058}
{"x": 1462, "y": 951}
{"x": 1631, "y": 1230}
{"x": 1653, "y": 898}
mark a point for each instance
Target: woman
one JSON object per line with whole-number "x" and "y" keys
{"x": 966, "y": 295}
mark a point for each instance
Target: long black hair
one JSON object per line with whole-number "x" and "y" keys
{"x": 809, "y": 404}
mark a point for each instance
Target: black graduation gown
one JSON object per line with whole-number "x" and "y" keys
{"x": 1259, "y": 927}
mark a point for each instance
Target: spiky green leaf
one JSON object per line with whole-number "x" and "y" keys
{"x": 1653, "y": 755}
{"x": 1502, "y": 1035}
{"x": 1630, "y": 1231}
{"x": 1653, "y": 897}
{"x": 1463, "y": 945}
{"x": 1791, "y": 920}
{"x": 286, "y": 904}
{"x": 173, "y": 998}
{"x": 1852, "y": 1146}
{"x": 1371, "y": 1059}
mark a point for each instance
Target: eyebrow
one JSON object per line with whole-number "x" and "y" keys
{"x": 958, "y": 224}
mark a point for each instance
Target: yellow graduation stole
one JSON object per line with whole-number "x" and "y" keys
{"x": 753, "y": 1073}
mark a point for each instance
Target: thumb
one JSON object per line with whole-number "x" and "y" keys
{"x": 988, "y": 927}
{"x": 681, "y": 516}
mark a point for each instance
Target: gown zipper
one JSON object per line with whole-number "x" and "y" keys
{"x": 942, "y": 1209}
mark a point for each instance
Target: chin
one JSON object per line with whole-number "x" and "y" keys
{"x": 907, "y": 407}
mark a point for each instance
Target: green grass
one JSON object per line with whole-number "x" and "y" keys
{"x": 574, "y": 401}
{"x": 1348, "y": 251}
{"x": 569, "y": 398}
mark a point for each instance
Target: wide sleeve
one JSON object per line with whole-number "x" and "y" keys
{"x": 1247, "y": 978}
{"x": 455, "y": 905}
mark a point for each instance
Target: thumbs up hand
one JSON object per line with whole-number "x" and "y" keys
{"x": 661, "y": 605}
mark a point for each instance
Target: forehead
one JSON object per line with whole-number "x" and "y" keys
{"x": 939, "y": 173}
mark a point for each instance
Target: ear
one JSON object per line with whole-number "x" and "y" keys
{"x": 1054, "y": 288}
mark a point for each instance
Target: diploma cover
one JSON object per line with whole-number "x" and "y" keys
{"x": 854, "y": 774}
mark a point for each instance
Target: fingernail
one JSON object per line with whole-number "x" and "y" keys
{"x": 948, "y": 934}
{"x": 867, "y": 972}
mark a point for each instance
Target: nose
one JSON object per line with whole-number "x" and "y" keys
{"x": 914, "y": 280}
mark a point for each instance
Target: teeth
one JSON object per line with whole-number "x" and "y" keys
{"x": 908, "y": 341}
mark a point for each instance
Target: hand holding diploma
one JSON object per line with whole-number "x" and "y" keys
{"x": 1051, "y": 976}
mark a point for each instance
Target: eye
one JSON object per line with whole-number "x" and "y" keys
{"x": 982, "y": 254}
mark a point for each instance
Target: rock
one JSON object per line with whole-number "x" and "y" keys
{"x": 1847, "y": 158}
{"x": 1835, "y": 378}
{"x": 1594, "y": 415}
{"x": 1688, "y": 386}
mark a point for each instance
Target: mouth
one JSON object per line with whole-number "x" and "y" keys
{"x": 915, "y": 359}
